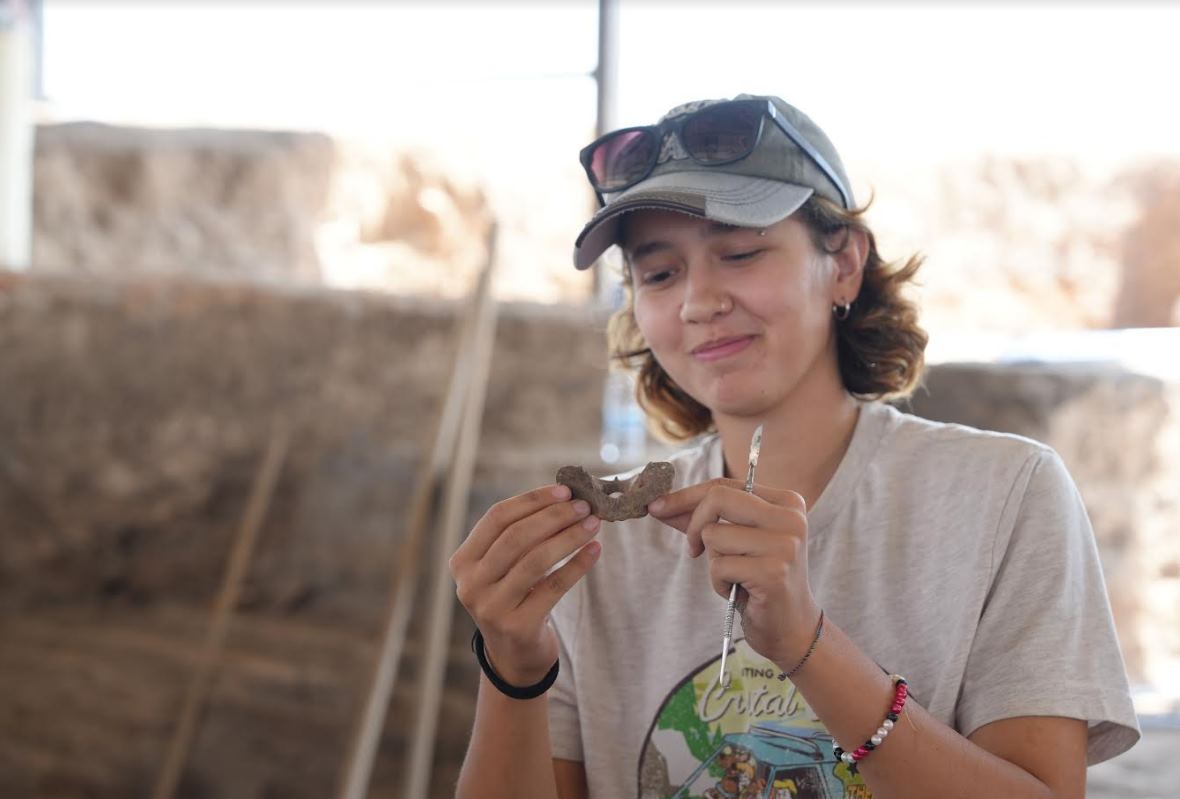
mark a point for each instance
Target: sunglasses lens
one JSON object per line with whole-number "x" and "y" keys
{"x": 622, "y": 159}
{"x": 726, "y": 133}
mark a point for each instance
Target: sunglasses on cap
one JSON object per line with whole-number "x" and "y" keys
{"x": 715, "y": 135}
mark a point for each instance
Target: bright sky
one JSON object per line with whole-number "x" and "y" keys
{"x": 885, "y": 80}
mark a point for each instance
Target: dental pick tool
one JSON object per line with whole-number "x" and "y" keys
{"x": 755, "y": 449}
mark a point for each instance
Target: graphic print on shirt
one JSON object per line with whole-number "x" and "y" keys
{"x": 756, "y": 739}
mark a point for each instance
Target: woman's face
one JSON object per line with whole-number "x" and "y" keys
{"x": 740, "y": 321}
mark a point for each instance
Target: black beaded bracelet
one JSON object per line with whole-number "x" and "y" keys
{"x": 819, "y": 630}
{"x": 528, "y": 692}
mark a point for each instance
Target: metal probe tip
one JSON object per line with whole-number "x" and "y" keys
{"x": 727, "y": 633}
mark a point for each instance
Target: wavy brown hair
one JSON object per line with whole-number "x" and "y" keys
{"x": 879, "y": 346}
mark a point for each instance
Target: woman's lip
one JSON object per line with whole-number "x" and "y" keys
{"x": 722, "y": 349}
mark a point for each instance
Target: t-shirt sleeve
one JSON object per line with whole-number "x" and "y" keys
{"x": 565, "y": 733}
{"x": 1046, "y": 643}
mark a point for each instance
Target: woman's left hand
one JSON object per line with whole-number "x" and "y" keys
{"x": 759, "y": 541}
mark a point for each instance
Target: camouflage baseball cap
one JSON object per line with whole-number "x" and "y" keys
{"x": 792, "y": 160}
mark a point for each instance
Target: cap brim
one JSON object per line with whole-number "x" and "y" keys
{"x": 723, "y": 197}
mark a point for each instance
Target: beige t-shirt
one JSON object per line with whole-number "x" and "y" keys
{"x": 961, "y": 559}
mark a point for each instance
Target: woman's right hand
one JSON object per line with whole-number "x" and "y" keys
{"x": 502, "y": 576}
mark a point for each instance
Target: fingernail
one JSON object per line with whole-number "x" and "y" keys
{"x": 581, "y": 507}
{"x": 590, "y": 522}
{"x": 562, "y": 492}
{"x": 656, "y": 507}
{"x": 593, "y": 547}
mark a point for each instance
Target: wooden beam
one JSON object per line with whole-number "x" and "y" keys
{"x": 367, "y": 734}
{"x": 243, "y": 548}
{"x": 449, "y": 534}
{"x": 16, "y": 135}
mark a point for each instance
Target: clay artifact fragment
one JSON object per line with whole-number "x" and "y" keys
{"x": 615, "y": 500}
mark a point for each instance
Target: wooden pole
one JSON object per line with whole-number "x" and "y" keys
{"x": 449, "y": 532}
{"x": 16, "y": 135}
{"x": 367, "y": 735}
{"x": 243, "y": 548}
{"x": 606, "y": 84}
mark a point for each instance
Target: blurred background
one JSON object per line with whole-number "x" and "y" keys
{"x": 224, "y": 225}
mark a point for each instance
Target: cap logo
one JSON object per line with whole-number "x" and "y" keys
{"x": 688, "y": 108}
{"x": 671, "y": 150}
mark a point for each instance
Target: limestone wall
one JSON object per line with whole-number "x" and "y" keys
{"x": 133, "y": 413}
{"x": 1014, "y": 243}
{"x": 112, "y": 200}
{"x": 1119, "y": 434}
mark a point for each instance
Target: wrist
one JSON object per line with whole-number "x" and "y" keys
{"x": 513, "y": 674}
{"x": 504, "y": 686}
{"x": 802, "y": 649}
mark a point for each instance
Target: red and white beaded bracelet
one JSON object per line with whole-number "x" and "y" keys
{"x": 900, "y": 692}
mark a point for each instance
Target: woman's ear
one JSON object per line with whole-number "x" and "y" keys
{"x": 850, "y": 265}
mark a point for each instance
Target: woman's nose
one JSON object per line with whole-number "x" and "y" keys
{"x": 704, "y": 301}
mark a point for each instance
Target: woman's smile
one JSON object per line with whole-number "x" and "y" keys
{"x": 721, "y": 348}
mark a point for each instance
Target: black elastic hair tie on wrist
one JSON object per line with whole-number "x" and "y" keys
{"x": 528, "y": 692}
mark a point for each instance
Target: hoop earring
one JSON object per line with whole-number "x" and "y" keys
{"x": 842, "y": 312}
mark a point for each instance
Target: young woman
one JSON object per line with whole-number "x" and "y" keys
{"x": 874, "y": 544}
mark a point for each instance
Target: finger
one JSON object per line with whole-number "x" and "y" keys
{"x": 675, "y": 509}
{"x": 525, "y": 535}
{"x": 723, "y": 510}
{"x": 729, "y": 570}
{"x": 722, "y": 538}
{"x": 531, "y": 569}
{"x": 676, "y": 504}
{"x": 504, "y": 514}
{"x": 548, "y": 591}
{"x": 679, "y": 522}
{"x": 788, "y": 527}
{"x": 733, "y": 505}
{"x": 784, "y": 498}
{"x": 775, "y": 497}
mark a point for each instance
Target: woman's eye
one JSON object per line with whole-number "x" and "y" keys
{"x": 655, "y": 276}
{"x": 741, "y": 256}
